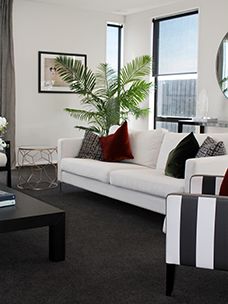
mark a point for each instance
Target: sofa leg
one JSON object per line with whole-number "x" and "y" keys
{"x": 170, "y": 277}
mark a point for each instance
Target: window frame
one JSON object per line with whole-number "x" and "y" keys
{"x": 119, "y": 52}
{"x": 155, "y": 67}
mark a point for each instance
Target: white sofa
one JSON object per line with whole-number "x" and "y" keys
{"x": 141, "y": 181}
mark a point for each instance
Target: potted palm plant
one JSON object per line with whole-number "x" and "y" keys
{"x": 108, "y": 97}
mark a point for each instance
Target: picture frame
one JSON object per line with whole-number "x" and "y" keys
{"x": 48, "y": 79}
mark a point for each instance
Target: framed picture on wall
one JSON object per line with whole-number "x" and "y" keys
{"x": 49, "y": 80}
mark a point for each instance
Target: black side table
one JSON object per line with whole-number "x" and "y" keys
{"x": 202, "y": 124}
{"x": 180, "y": 124}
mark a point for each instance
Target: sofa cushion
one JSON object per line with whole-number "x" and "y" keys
{"x": 186, "y": 148}
{"x": 218, "y": 137}
{"x": 93, "y": 168}
{"x": 210, "y": 147}
{"x": 146, "y": 180}
{"x": 90, "y": 147}
{"x": 116, "y": 146}
{"x": 169, "y": 142}
{"x": 219, "y": 149}
{"x": 145, "y": 146}
{"x": 171, "y": 139}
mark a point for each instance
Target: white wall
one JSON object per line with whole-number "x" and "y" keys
{"x": 213, "y": 25}
{"x": 40, "y": 119}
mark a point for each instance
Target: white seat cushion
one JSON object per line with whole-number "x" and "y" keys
{"x": 95, "y": 169}
{"x": 147, "y": 180}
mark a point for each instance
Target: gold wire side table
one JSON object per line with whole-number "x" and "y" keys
{"x": 36, "y": 168}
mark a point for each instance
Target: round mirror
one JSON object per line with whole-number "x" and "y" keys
{"x": 222, "y": 65}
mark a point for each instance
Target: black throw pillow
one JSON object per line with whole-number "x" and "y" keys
{"x": 90, "y": 147}
{"x": 187, "y": 148}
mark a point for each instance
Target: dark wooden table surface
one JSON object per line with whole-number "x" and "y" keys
{"x": 31, "y": 213}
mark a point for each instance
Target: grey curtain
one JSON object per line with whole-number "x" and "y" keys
{"x": 7, "y": 74}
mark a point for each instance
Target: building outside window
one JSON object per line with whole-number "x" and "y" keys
{"x": 175, "y": 50}
{"x": 114, "y": 45}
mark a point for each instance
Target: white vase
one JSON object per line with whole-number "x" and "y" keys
{"x": 3, "y": 159}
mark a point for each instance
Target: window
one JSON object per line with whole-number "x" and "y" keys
{"x": 225, "y": 66}
{"x": 113, "y": 46}
{"x": 175, "y": 48}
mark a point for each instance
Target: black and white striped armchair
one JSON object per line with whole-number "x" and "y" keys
{"x": 197, "y": 228}
{"x": 205, "y": 184}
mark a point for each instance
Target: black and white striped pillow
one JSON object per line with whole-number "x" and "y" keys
{"x": 197, "y": 231}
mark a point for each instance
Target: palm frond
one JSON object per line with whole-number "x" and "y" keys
{"x": 81, "y": 79}
{"x": 92, "y": 100}
{"x": 140, "y": 112}
{"x": 92, "y": 129}
{"x": 82, "y": 114}
{"x": 107, "y": 98}
{"x": 107, "y": 81}
{"x": 223, "y": 80}
{"x": 135, "y": 70}
{"x": 112, "y": 112}
{"x": 137, "y": 93}
{"x": 97, "y": 118}
{"x": 106, "y": 75}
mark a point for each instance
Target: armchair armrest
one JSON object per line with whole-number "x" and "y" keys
{"x": 214, "y": 165}
{"x": 197, "y": 230}
{"x": 205, "y": 184}
{"x": 67, "y": 147}
{"x": 202, "y": 184}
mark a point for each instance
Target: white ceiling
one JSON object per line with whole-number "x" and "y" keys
{"x": 123, "y": 7}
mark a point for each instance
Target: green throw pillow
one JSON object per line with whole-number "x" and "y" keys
{"x": 187, "y": 148}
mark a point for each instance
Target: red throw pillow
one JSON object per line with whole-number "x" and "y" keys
{"x": 116, "y": 147}
{"x": 224, "y": 185}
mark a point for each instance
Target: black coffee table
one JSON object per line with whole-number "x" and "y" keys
{"x": 31, "y": 213}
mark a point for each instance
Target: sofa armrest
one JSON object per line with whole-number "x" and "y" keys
{"x": 213, "y": 165}
{"x": 67, "y": 147}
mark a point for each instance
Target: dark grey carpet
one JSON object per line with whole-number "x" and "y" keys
{"x": 114, "y": 255}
